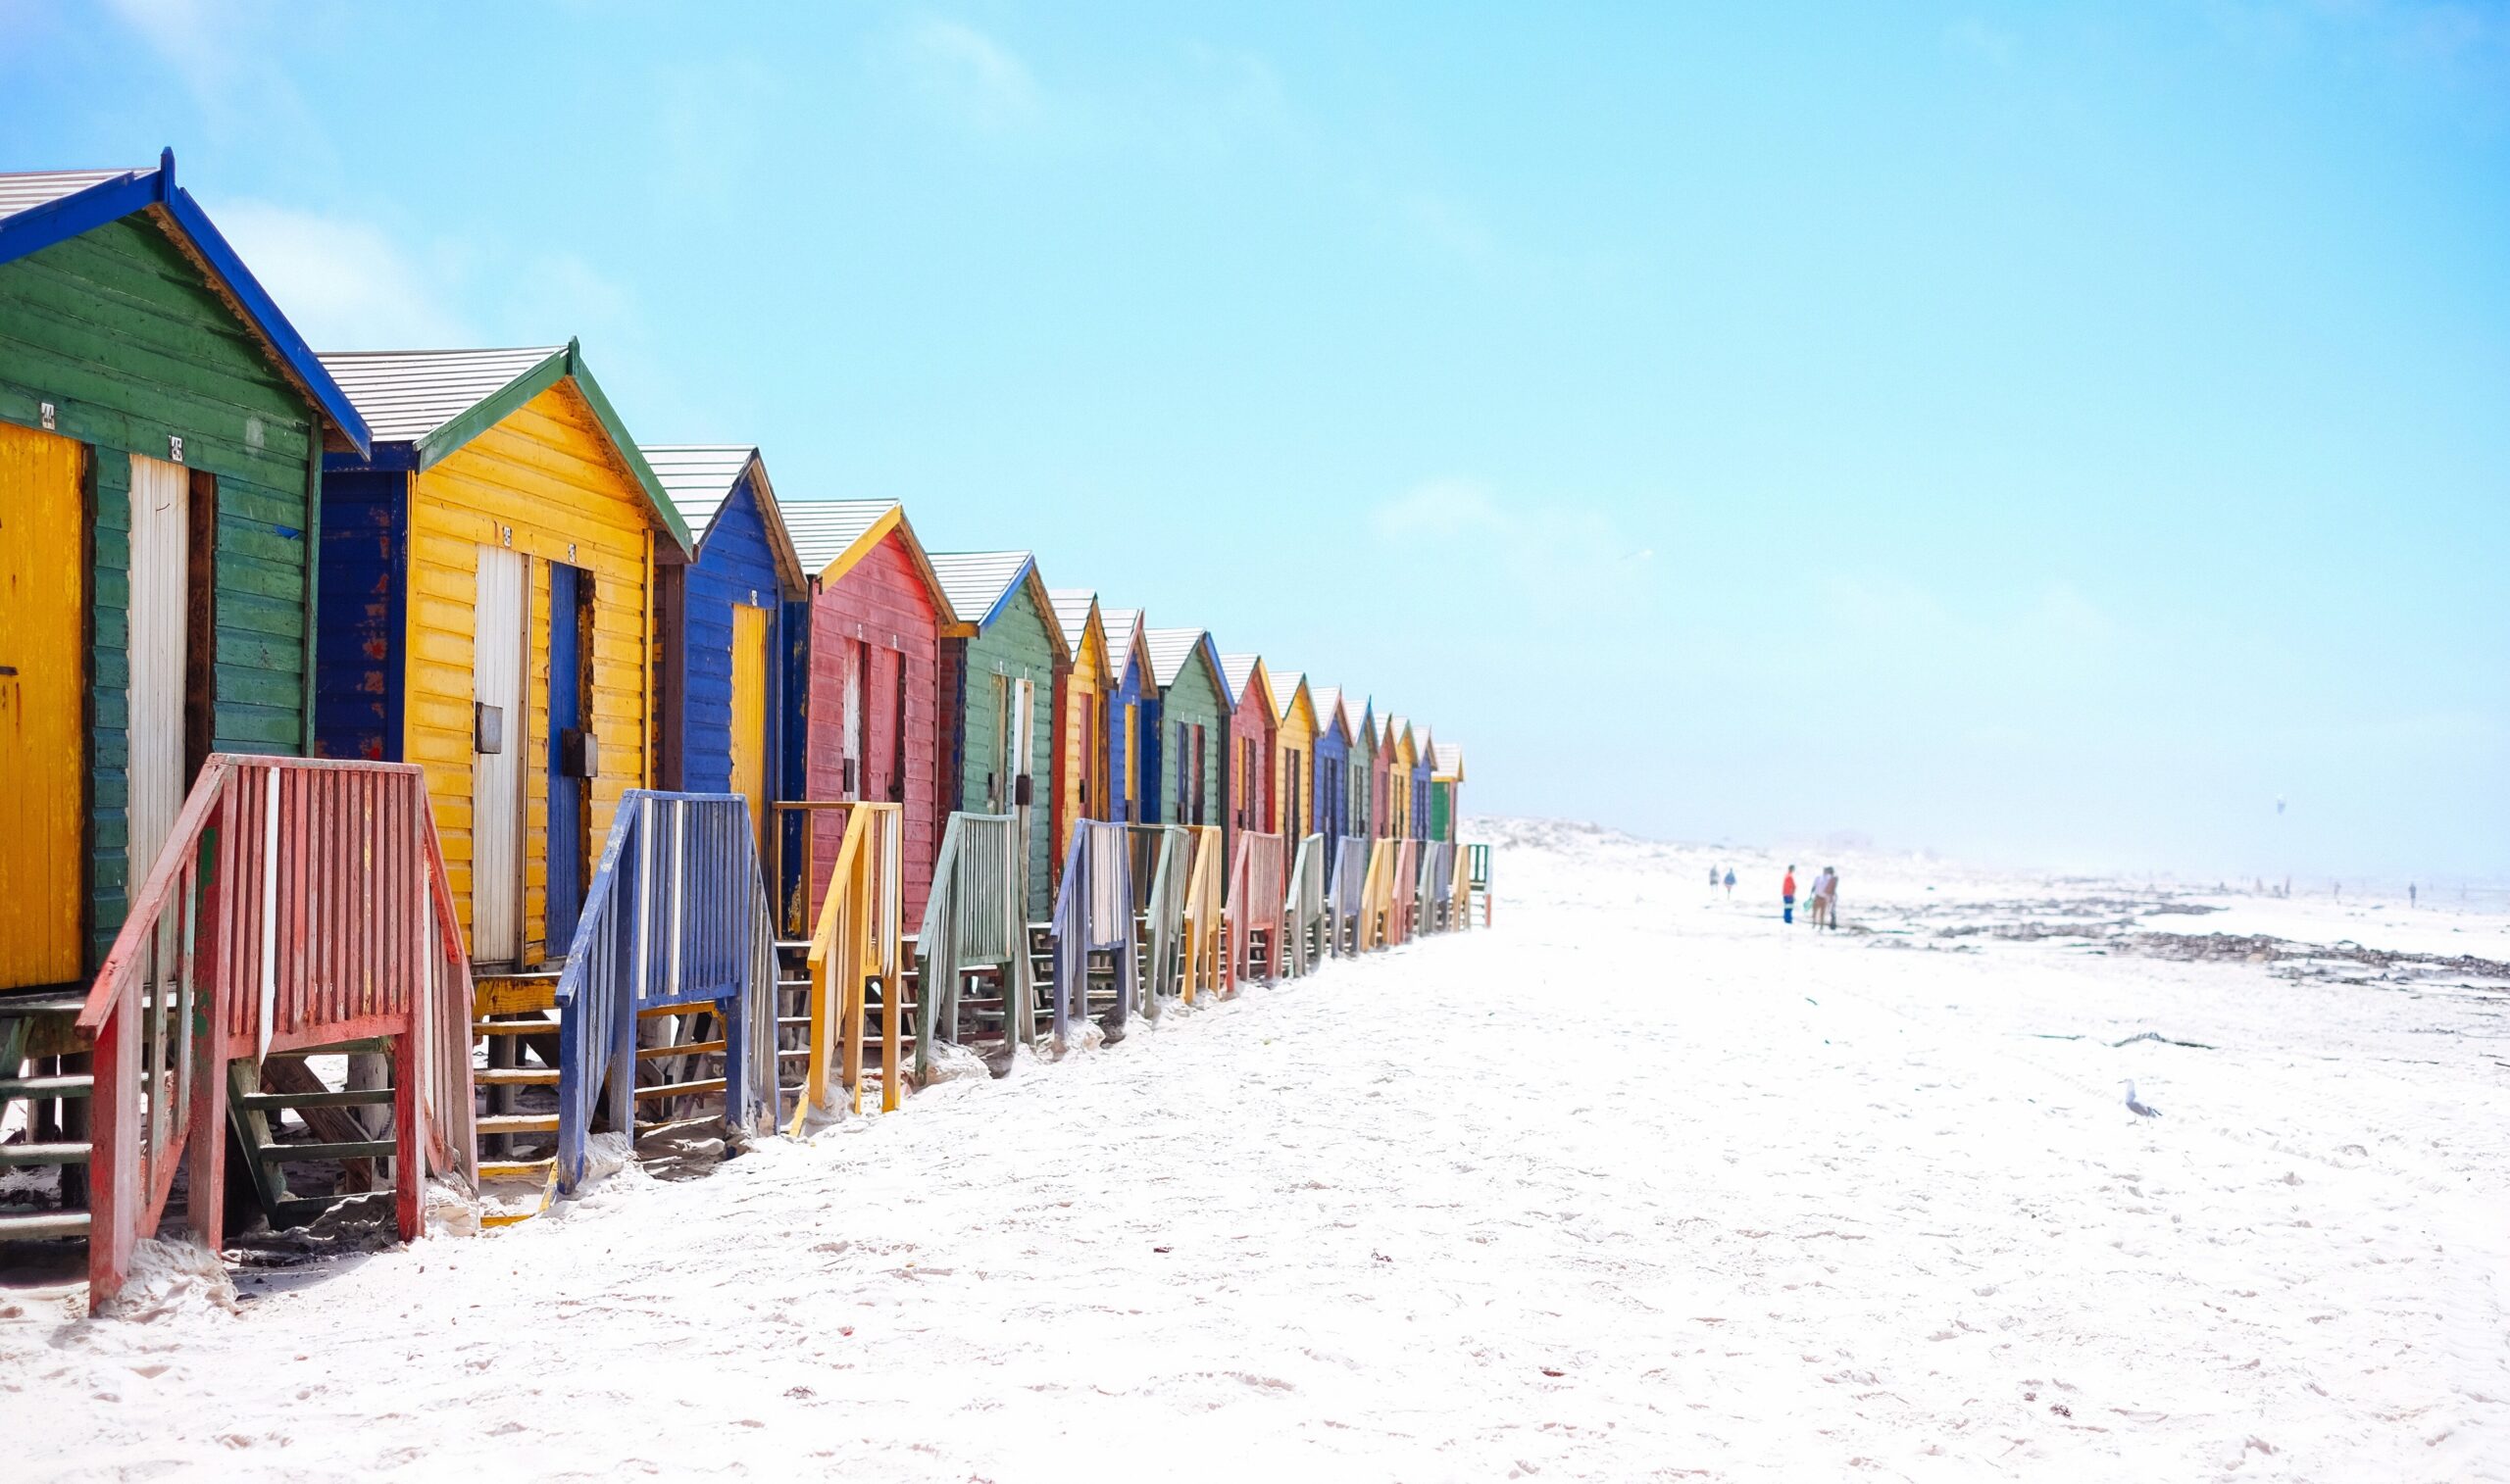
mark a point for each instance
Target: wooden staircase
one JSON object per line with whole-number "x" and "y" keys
{"x": 45, "y": 1091}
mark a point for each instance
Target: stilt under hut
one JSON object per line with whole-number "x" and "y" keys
{"x": 1446, "y": 791}
{"x": 1186, "y": 739}
{"x": 1258, "y": 854}
{"x": 870, "y": 718}
{"x": 1081, "y": 720}
{"x": 1000, "y": 672}
{"x": 162, "y": 435}
{"x": 720, "y": 632}
{"x": 1133, "y": 697}
{"x": 489, "y": 580}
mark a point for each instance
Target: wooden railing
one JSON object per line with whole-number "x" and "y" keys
{"x": 1207, "y": 965}
{"x": 854, "y": 954}
{"x": 1349, "y": 895}
{"x": 975, "y": 917}
{"x": 1403, "y": 892}
{"x": 676, "y": 919}
{"x": 1162, "y": 862}
{"x": 1377, "y": 897}
{"x": 1094, "y": 913}
{"x": 1258, "y": 880}
{"x": 1475, "y": 890}
{"x": 1303, "y": 907}
{"x": 298, "y": 902}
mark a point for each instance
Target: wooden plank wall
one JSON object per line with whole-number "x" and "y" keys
{"x": 884, "y": 602}
{"x": 1016, "y": 646}
{"x": 1250, "y": 774}
{"x": 124, "y": 336}
{"x": 1293, "y": 751}
{"x": 547, "y": 473}
{"x": 1195, "y": 700}
{"x": 1080, "y": 728}
{"x": 736, "y": 568}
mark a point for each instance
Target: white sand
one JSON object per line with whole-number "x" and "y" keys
{"x": 1636, "y": 1186}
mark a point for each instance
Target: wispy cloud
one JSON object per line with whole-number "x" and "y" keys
{"x": 342, "y": 282}
{"x": 1552, "y": 560}
{"x": 979, "y": 81}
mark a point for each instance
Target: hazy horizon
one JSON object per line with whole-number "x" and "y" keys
{"x": 2039, "y": 434}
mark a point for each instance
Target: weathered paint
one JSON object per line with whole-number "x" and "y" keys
{"x": 747, "y": 723}
{"x": 1401, "y": 764}
{"x": 1424, "y": 754}
{"x": 548, "y": 483}
{"x": 1131, "y": 696}
{"x": 1252, "y": 723}
{"x": 878, "y": 618}
{"x": 1191, "y": 790}
{"x": 43, "y": 610}
{"x": 120, "y": 330}
{"x": 1082, "y": 791}
{"x": 741, "y": 576}
{"x": 1017, "y": 642}
{"x": 1333, "y": 773}
{"x": 1294, "y": 758}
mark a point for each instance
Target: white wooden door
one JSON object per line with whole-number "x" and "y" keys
{"x": 159, "y": 599}
{"x": 496, "y": 776}
{"x": 857, "y": 659}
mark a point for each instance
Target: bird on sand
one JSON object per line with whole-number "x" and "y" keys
{"x": 2140, "y": 1109}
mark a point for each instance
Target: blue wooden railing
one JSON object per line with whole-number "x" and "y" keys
{"x": 676, "y": 919}
{"x": 1094, "y": 913}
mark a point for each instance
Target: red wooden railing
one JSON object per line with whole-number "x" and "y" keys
{"x": 1257, "y": 882}
{"x": 298, "y": 903}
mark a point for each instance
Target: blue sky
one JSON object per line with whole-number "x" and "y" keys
{"x": 2046, "y": 433}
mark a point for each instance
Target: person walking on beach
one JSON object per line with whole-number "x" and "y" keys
{"x": 1786, "y": 896}
{"x": 1830, "y": 897}
{"x": 1730, "y": 883}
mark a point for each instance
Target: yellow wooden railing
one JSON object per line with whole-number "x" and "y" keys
{"x": 854, "y": 949}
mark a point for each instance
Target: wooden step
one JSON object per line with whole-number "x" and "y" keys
{"x": 307, "y": 1154}
{"x": 516, "y": 1123}
{"x": 78, "y": 1085}
{"x": 272, "y": 1102}
{"x": 516, "y": 1076}
{"x": 514, "y": 1027}
{"x": 38, "y": 1226}
{"x": 45, "y": 1154}
{"x": 515, "y": 1170}
{"x": 674, "y": 1090}
{"x": 686, "y": 1049}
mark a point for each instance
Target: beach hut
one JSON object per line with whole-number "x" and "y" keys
{"x": 868, "y": 724}
{"x": 999, "y": 670}
{"x": 1446, "y": 790}
{"x": 1082, "y": 752}
{"x": 1332, "y": 782}
{"x": 1185, "y": 736}
{"x": 1294, "y": 755}
{"x": 1133, "y": 695}
{"x": 1424, "y": 748}
{"x": 487, "y": 598}
{"x": 162, "y": 430}
{"x": 1252, "y": 725}
{"x": 1401, "y": 756}
{"x": 1368, "y": 773}
{"x": 726, "y": 660}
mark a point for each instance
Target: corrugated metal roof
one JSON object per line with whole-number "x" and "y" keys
{"x": 404, "y": 395}
{"x": 1285, "y": 694}
{"x": 1449, "y": 759}
{"x": 699, "y": 478}
{"x": 1240, "y": 669}
{"x": 977, "y": 580}
{"x": 1168, "y": 649}
{"x": 823, "y": 529}
{"x": 1328, "y": 701}
{"x": 1124, "y": 628}
{"x": 1396, "y": 727}
{"x": 1072, "y": 609}
{"x": 25, "y": 190}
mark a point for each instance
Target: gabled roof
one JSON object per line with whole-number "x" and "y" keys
{"x": 1360, "y": 720}
{"x": 1124, "y": 637}
{"x": 1170, "y": 648}
{"x": 1448, "y": 762}
{"x": 831, "y": 536}
{"x": 701, "y": 479}
{"x": 425, "y": 405}
{"x": 1422, "y": 745}
{"x": 1242, "y": 671}
{"x": 1076, "y": 610}
{"x": 980, "y": 584}
{"x": 1327, "y": 700}
{"x": 1288, "y": 691}
{"x": 1398, "y": 734}
{"x": 41, "y": 207}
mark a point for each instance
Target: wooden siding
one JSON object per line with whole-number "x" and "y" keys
{"x": 1194, "y": 700}
{"x": 1081, "y": 730}
{"x": 1295, "y": 754}
{"x": 124, "y": 336}
{"x": 546, "y": 476}
{"x": 882, "y": 603}
{"x": 735, "y": 569}
{"x": 1252, "y": 767}
{"x": 1016, "y": 646}
{"x": 363, "y": 599}
{"x": 43, "y": 612}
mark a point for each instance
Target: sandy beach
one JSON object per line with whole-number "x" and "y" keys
{"x": 1640, "y": 1184}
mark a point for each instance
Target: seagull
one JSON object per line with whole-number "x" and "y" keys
{"x": 2140, "y": 1109}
